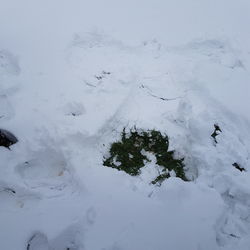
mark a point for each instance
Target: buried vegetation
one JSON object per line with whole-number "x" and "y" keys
{"x": 128, "y": 154}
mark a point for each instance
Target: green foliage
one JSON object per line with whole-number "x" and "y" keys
{"x": 127, "y": 154}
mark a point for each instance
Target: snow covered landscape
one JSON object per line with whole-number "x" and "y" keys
{"x": 75, "y": 74}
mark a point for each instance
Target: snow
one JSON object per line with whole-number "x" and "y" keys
{"x": 74, "y": 73}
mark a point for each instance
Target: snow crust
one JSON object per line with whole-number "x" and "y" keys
{"x": 74, "y": 73}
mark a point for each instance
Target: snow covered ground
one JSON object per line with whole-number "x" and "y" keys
{"x": 74, "y": 73}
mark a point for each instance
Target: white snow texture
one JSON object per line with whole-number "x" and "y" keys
{"x": 74, "y": 73}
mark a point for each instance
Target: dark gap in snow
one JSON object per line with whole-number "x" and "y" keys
{"x": 234, "y": 236}
{"x": 106, "y": 72}
{"x": 216, "y": 132}
{"x": 237, "y": 166}
{"x": 99, "y": 77}
{"x": 102, "y": 75}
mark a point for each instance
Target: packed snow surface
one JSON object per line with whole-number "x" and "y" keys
{"x": 74, "y": 73}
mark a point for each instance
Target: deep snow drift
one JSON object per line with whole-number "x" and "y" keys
{"x": 74, "y": 73}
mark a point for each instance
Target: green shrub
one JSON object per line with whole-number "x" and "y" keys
{"x": 127, "y": 154}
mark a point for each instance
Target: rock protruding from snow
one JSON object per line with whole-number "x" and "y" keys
{"x": 7, "y": 138}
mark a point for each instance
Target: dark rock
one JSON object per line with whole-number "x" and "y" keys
{"x": 7, "y": 138}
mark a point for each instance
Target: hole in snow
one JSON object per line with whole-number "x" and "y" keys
{"x": 130, "y": 154}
